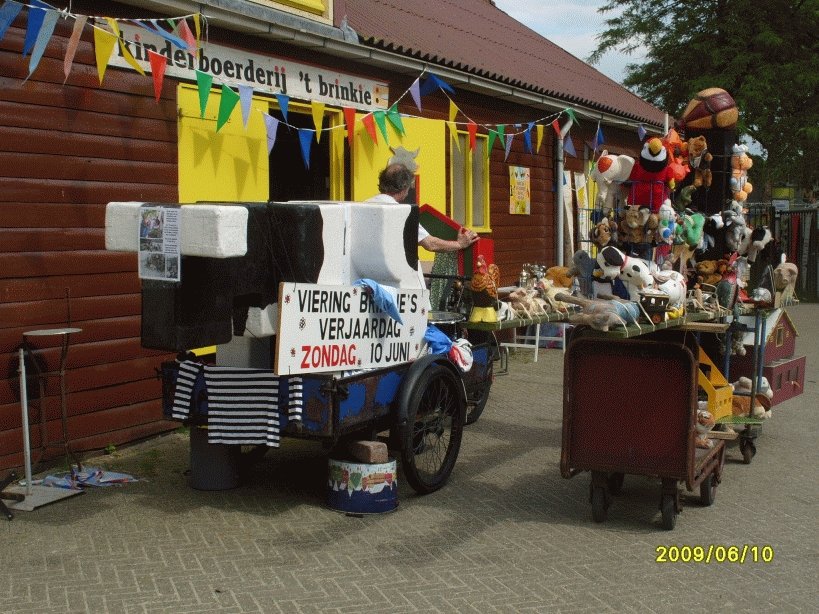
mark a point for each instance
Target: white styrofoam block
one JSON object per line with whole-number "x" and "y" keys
{"x": 262, "y": 322}
{"x": 209, "y": 230}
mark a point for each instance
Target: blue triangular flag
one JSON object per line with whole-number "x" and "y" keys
{"x": 527, "y": 137}
{"x": 432, "y": 83}
{"x": 43, "y": 36}
{"x": 509, "y": 138}
{"x": 568, "y": 146}
{"x": 152, "y": 26}
{"x": 306, "y": 140}
{"x": 272, "y": 126}
{"x": 641, "y": 132}
{"x": 245, "y": 100}
{"x": 283, "y": 102}
{"x": 36, "y": 15}
{"x": 598, "y": 138}
{"x": 8, "y": 13}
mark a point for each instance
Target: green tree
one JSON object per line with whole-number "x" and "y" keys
{"x": 765, "y": 54}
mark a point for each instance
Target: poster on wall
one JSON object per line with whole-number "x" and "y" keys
{"x": 519, "y": 191}
{"x": 159, "y": 251}
{"x": 583, "y": 211}
{"x": 339, "y": 328}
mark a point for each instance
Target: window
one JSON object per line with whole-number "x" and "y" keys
{"x": 469, "y": 183}
{"x": 319, "y": 8}
{"x": 780, "y": 336}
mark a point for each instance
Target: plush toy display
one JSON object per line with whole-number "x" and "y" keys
{"x": 608, "y": 173}
{"x": 710, "y": 108}
{"x": 699, "y": 159}
{"x": 652, "y": 178}
{"x": 740, "y": 163}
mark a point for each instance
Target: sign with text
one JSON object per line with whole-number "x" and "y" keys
{"x": 339, "y": 328}
{"x": 264, "y": 73}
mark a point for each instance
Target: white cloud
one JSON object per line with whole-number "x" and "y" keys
{"x": 573, "y": 26}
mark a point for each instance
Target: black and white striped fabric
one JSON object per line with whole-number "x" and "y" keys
{"x": 295, "y": 399}
{"x": 183, "y": 393}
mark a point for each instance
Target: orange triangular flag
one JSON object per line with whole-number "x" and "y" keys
{"x": 71, "y": 47}
{"x": 349, "y": 119}
{"x": 473, "y": 130}
{"x": 158, "y": 65}
{"x": 369, "y": 123}
{"x": 556, "y": 126}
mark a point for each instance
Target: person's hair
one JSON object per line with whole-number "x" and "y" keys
{"x": 395, "y": 178}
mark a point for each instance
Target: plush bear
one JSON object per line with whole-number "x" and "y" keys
{"x": 708, "y": 272}
{"x": 604, "y": 233}
{"x": 559, "y": 276}
{"x": 633, "y": 221}
{"x": 608, "y": 173}
{"x": 652, "y": 178}
{"x": 699, "y": 159}
{"x": 740, "y": 163}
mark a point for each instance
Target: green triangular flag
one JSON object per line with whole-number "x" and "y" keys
{"x": 491, "y": 140}
{"x": 226, "y": 106}
{"x": 570, "y": 113}
{"x": 395, "y": 119}
{"x": 380, "y": 119}
{"x": 204, "y": 82}
{"x": 502, "y": 135}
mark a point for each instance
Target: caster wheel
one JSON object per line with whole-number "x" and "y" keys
{"x": 669, "y": 511}
{"x": 708, "y": 490}
{"x": 615, "y": 482}
{"x": 748, "y": 450}
{"x": 599, "y": 503}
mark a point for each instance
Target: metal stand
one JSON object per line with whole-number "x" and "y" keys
{"x": 37, "y": 496}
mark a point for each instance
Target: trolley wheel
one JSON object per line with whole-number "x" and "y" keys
{"x": 599, "y": 503}
{"x": 748, "y": 450}
{"x": 615, "y": 482}
{"x": 669, "y": 510}
{"x": 436, "y": 414}
{"x": 708, "y": 490}
{"x": 476, "y": 406}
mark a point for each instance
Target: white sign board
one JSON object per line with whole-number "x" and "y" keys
{"x": 264, "y": 73}
{"x": 338, "y": 328}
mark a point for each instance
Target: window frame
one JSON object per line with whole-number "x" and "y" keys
{"x": 468, "y": 157}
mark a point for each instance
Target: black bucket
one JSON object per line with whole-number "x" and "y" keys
{"x": 214, "y": 466}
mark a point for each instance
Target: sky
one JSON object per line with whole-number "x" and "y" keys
{"x": 572, "y": 25}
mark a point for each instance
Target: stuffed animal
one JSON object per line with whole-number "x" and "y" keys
{"x": 547, "y": 291}
{"x": 635, "y": 273}
{"x": 677, "y": 155}
{"x": 740, "y": 163}
{"x": 526, "y": 303}
{"x": 604, "y": 233}
{"x": 741, "y": 403}
{"x": 602, "y": 314}
{"x": 760, "y": 238}
{"x": 705, "y": 422}
{"x": 708, "y": 272}
{"x": 784, "y": 276}
{"x": 582, "y": 269}
{"x": 652, "y": 178}
{"x": 710, "y": 108}
{"x": 608, "y": 173}
{"x": 688, "y": 236}
{"x": 634, "y": 224}
{"x": 699, "y": 159}
{"x": 559, "y": 276}
{"x": 484, "y": 286}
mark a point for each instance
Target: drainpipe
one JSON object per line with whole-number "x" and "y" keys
{"x": 559, "y": 192}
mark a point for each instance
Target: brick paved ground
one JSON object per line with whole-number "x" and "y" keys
{"x": 507, "y": 533}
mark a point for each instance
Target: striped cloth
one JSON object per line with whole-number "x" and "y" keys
{"x": 183, "y": 394}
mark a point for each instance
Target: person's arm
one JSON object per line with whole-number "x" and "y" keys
{"x": 434, "y": 244}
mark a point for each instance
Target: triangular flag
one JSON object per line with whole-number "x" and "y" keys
{"x": 527, "y": 137}
{"x": 380, "y": 119}
{"x": 369, "y": 123}
{"x": 36, "y": 14}
{"x": 568, "y": 146}
{"x": 394, "y": 118}
{"x": 158, "y": 65}
{"x": 306, "y": 141}
{"x": 227, "y": 103}
{"x": 556, "y": 126}
{"x": 570, "y": 113}
{"x": 472, "y": 127}
{"x": 104, "y": 43}
{"x": 186, "y": 35}
{"x": 197, "y": 27}
{"x": 318, "y": 117}
{"x": 415, "y": 92}
{"x": 9, "y": 12}
{"x": 71, "y": 47}
{"x": 599, "y": 139}
{"x": 453, "y": 110}
{"x": 349, "y": 119}
{"x": 539, "y": 128}
{"x": 501, "y": 135}
{"x": 491, "y": 140}
{"x": 245, "y": 100}
{"x": 124, "y": 52}
{"x": 641, "y": 132}
{"x": 453, "y": 132}
{"x": 432, "y": 83}
{"x": 204, "y": 82}
{"x": 271, "y": 124}
{"x": 284, "y": 101}
{"x": 46, "y": 30}
{"x": 154, "y": 28}
{"x": 508, "y": 145}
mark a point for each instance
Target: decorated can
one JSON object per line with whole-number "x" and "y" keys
{"x": 362, "y": 488}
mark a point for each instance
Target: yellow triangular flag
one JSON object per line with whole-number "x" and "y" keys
{"x": 104, "y": 43}
{"x": 453, "y": 132}
{"x": 122, "y": 48}
{"x": 539, "y": 137}
{"x": 318, "y": 117}
{"x": 453, "y": 110}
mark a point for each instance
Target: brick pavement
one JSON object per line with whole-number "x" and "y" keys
{"x": 506, "y": 534}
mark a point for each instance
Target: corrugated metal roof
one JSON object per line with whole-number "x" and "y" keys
{"x": 476, "y": 37}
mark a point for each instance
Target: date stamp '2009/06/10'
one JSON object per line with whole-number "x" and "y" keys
{"x": 714, "y": 554}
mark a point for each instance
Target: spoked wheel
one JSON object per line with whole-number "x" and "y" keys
{"x": 478, "y": 403}
{"x": 431, "y": 443}
{"x": 708, "y": 490}
{"x": 668, "y": 508}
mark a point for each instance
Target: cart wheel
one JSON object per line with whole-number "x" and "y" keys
{"x": 476, "y": 405}
{"x": 708, "y": 490}
{"x": 430, "y": 447}
{"x": 615, "y": 482}
{"x": 669, "y": 511}
{"x": 598, "y": 503}
{"x": 748, "y": 450}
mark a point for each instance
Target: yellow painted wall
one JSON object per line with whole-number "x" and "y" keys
{"x": 229, "y": 165}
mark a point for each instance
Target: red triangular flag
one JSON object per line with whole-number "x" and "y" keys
{"x": 369, "y": 124}
{"x": 472, "y": 127}
{"x": 158, "y": 65}
{"x": 349, "y": 119}
{"x": 556, "y": 126}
